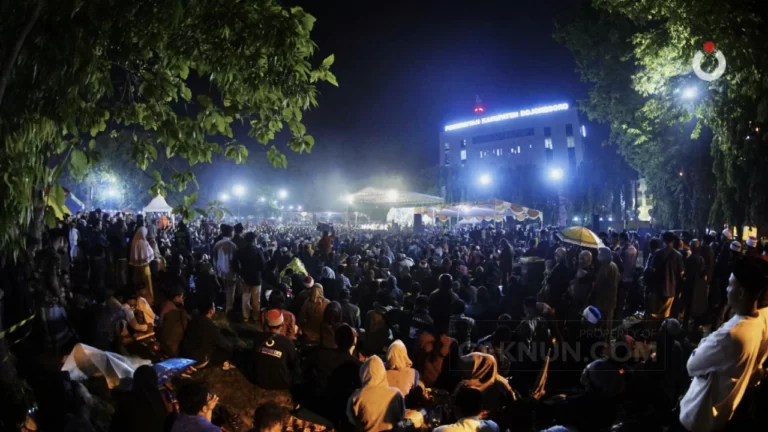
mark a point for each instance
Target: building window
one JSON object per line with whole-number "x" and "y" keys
{"x": 570, "y": 141}
{"x": 447, "y": 146}
{"x": 583, "y": 130}
{"x": 483, "y": 153}
{"x": 518, "y": 149}
{"x": 447, "y": 160}
{"x": 568, "y": 129}
{"x": 499, "y": 152}
{"x": 463, "y": 143}
{"x": 548, "y": 138}
{"x": 463, "y": 155}
{"x": 569, "y": 136}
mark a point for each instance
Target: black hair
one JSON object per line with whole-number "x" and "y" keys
{"x": 277, "y": 299}
{"x": 458, "y": 307}
{"x": 422, "y": 302}
{"x": 624, "y": 236}
{"x": 344, "y": 294}
{"x": 529, "y": 302}
{"x": 268, "y": 416}
{"x": 192, "y": 397}
{"x": 250, "y": 237}
{"x": 205, "y": 305}
{"x": 332, "y": 313}
{"x": 239, "y": 228}
{"x": 226, "y": 230}
{"x": 653, "y": 244}
{"x": 383, "y": 297}
{"x": 502, "y": 334}
{"x": 483, "y": 296}
{"x": 469, "y": 401}
{"x": 446, "y": 281}
{"x": 344, "y": 336}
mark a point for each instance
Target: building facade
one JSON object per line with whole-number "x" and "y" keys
{"x": 546, "y": 136}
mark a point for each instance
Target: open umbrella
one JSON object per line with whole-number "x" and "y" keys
{"x": 580, "y": 236}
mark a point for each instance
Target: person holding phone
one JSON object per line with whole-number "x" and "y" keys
{"x": 196, "y": 404}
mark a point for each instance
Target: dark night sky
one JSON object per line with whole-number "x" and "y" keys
{"x": 406, "y": 68}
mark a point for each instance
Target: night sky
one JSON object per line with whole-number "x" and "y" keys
{"x": 406, "y": 68}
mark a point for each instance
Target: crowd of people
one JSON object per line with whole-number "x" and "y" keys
{"x": 466, "y": 329}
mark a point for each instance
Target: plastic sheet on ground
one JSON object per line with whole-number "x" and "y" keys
{"x": 168, "y": 369}
{"x": 86, "y": 361}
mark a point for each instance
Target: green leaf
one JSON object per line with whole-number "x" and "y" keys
{"x": 204, "y": 100}
{"x": 55, "y": 202}
{"x": 186, "y": 93}
{"x": 277, "y": 159}
{"x": 92, "y": 144}
{"x": 78, "y": 164}
{"x": 328, "y": 61}
{"x": 331, "y": 78}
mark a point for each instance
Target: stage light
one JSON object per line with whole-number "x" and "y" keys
{"x": 392, "y": 195}
{"x": 350, "y": 199}
{"x": 224, "y": 197}
{"x": 690, "y": 93}
{"x": 262, "y": 199}
{"x": 290, "y": 207}
{"x": 282, "y": 194}
{"x": 113, "y": 192}
{"x": 298, "y": 208}
{"x": 575, "y": 218}
{"x": 238, "y": 190}
{"x": 485, "y": 179}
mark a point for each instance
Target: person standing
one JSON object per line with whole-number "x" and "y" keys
{"x": 606, "y": 287}
{"x": 628, "y": 255}
{"x": 141, "y": 255}
{"x": 223, "y": 257}
{"x": 694, "y": 296}
{"x": 250, "y": 263}
{"x": 667, "y": 275}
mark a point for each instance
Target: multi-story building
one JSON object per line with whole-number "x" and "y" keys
{"x": 547, "y": 136}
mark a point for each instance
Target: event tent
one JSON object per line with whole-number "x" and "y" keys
{"x": 477, "y": 211}
{"x": 158, "y": 205}
{"x": 394, "y": 198}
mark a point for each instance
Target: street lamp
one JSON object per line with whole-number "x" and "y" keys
{"x": 239, "y": 191}
{"x": 262, "y": 199}
{"x": 485, "y": 179}
{"x": 690, "y": 92}
{"x": 556, "y": 174}
{"x": 224, "y": 197}
{"x": 298, "y": 208}
{"x": 282, "y": 194}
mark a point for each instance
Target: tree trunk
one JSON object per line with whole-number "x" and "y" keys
{"x": 36, "y": 226}
{"x": 5, "y": 78}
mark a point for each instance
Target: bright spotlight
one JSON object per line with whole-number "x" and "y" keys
{"x": 282, "y": 194}
{"x": 575, "y": 218}
{"x": 224, "y": 197}
{"x": 350, "y": 199}
{"x": 556, "y": 173}
{"x": 112, "y": 192}
{"x": 298, "y": 208}
{"x": 610, "y": 219}
{"x": 262, "y": 199}
{"x": 290, "y": 207}
{"x": 485, "y": 179}
{"x": 392, "y": 195}
{"x": 601, "y": 219}
{"x": 690, "y": 93}
{"x": 238, "y": 190}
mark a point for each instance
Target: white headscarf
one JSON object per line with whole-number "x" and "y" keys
{"x": 141, "y": 251}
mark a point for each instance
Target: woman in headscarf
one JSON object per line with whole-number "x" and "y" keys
{"x": 331, "y": 286}
{"x": 400, "y": 374}
{"x": 482, "y": 375}
{"x": 143, "y": 407}
{"x": 141, "y": 255}
{"x": 332, "y": 319}
{"x": 606, "y": 287}
{"x": 376, "y": 406}
{"x": 312, "y": 313}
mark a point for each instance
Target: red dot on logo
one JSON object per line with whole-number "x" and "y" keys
{"x": 709, "y": 47}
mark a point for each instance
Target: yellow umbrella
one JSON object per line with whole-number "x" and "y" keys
{"x": 580, "y": 236}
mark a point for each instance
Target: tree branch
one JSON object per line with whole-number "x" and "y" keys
{"x": 14, "y": 53}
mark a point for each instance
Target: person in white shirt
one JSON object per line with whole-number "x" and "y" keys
{"x": 469, "y": 405}
{"x": 223, "y": 257}
{"x": 730, "y": 360}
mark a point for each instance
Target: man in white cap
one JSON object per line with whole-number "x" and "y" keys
{"x": 753, "y": 247}
{"x": 274, "y": 361}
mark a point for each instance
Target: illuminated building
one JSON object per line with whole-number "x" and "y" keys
{"x": 546, "y": 135}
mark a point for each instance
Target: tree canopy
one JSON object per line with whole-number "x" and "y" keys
{"x": 176, "y": 76}
{"x": 637, "y": 57}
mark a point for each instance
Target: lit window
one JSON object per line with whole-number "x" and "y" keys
{"x": 447, "y": 160}
{"x": 530, "y": 146}
{"x": 447, "y": 146}
{"x": 463, "y": 143}
{"x": 570, "y": 141}
{"x": 548, "y": 143}
{"x": 518, "y": 149}
{"x": 463, "y": 155}
{"x": 583, "y": 131}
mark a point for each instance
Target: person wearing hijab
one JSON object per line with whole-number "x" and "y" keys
{"x": 331, "y": 285}
{"x": 376, "y": 406}
{"x": 141, "y": 255}
{"x": 606, "y": 286}
{"x": 143, "y": 407}
{"x": 400, "y": 374}
{"x": 312, "y": 313}
{"x": 482, "y": 375}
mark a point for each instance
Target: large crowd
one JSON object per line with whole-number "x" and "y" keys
{"x": 472, "y": 329}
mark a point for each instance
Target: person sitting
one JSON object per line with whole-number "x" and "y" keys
{"x": 274, "y": 362}
{"x": 468, "y": 407}
{"x": 268, "y": 418}
{"x": 311, "y": 315}
{"x": 277, "y": 301}
{"x": 431, "y": 351}
{"x": 172, "y": 325}
{"x": 196, "y": 405}
{"x": 376, "y": 406}
{"x": 350, "y": 313}
{"x": 174, "y": 301}
{"x": 377, "y": 329}
{"x": 483, "y": 376}
{"x": 143, "y": 306}
{"x": 142, "y": 408}
{"x": 400, "y": 374}
{"x": 121, "y": 307}
{"x": 203, "y": 341}
{"x": 461, "y": 326}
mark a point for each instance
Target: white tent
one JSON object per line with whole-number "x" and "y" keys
{"x": 158, "y": 205}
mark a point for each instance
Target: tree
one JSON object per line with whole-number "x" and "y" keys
{"x": 174, "y": 75}
{"x": 637, "y": 56}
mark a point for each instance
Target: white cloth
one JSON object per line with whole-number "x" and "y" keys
{"x": 470, "y": 424}
{"x": 141, "y": 251}
{"x": 223, "y": 255}
{"x": 722, "y": 367}
{"x": 376, "y": 406}
{"x": 74, "y": 238}
{"x": 86, "y": 361}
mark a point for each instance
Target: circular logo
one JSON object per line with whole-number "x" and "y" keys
{"x": 709, "y": 48}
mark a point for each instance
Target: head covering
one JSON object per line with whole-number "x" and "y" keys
{"x": 604, "y": 254}
{"x": 751, "y": 241}
{"x": 735, "y": 246}
{"x": 751, "y": 273}
{"x": 484, "y": 371}
{"x": 327, "y": 273}
{"x": 585, "y": 256}
{"x": 397, "y": 356}
{"x": 373, "y": 373}
{"x": 591, "y": 314}
{"x": 560, "y": 252}
{"x": 672, "y": 326}
{"x": 274, "y": 317}
{"x": 423, "y": 264}
{"x": 308, "y": 281}
{"x": 727, "y": 234}
{"x": 141, "y": 251}
{"x": 316, "y": 296}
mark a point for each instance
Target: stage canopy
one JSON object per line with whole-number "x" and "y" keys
{"x": 158, "y": 205}
{"x": 394, "y": 198}
{"x": 477, "y": 211}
